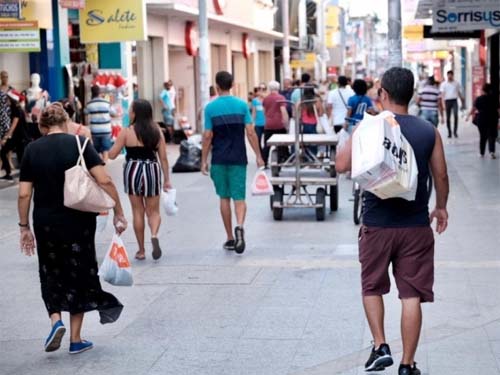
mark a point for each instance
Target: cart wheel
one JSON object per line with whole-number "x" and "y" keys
{"x": 278, "y": 211}
{"x": 320, "y": 199}
{"x": 271, "y": 197}
{"x": 275, "y": 169}
{"x": 334, "y": 198}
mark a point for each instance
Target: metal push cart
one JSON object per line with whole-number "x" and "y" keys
{"x": 294, "y": 178}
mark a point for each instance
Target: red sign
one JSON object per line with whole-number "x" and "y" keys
{"x": 191, "y": 38}
{"x": 478, "y": 81}
{"x": 72, "y": 4}
{"x": 246, "y": 46}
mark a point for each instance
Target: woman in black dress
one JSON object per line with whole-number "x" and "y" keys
{"x": 486, "y": 110}
{"x": 64, "y": 237}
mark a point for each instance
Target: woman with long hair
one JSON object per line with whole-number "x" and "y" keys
{"x": 146, "y": 162}
{"x": 312, "y": 110}
{"x": 65, "y": 242}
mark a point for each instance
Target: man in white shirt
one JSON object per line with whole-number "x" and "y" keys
{"x": 337, "y": 103}
{"x": 451, "y": 90}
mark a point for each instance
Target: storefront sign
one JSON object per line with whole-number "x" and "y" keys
{"x": 10, "y": 9}
{"x": 332, "y": 26}
{"x": 191, "y": 38}
{"x": 458, "y": 35}
{"x": 36, "y": 10}
{"x": 113, "y": 21}
{"x": 72, "y": 4}
{"x": 413, "y": 32}
{"x": 307, "y": 61}
{"x": 19, "y": 36}
{"x": 461, "y": 15}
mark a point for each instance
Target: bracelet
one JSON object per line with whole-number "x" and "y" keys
{"x": 24, "y": 225}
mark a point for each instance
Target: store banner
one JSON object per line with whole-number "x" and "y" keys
{"x": 10, "y": 9}
{"x": 332, "y": 26}
{"x": 113, "y": 21}
{"x": 463, "y": 15}
{"x": 19, "y": 36}
{"x": 35, "y": 10}
{"x": 72, "y": 4}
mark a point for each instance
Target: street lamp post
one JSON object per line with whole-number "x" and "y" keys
{"x": 394, "y": 35}
{"x": 204, "y": 57}
{"x": 285, "y": 15}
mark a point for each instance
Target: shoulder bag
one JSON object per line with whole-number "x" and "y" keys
{"x": 81, "y": 191}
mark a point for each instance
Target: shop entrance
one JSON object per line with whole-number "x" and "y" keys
{"x": 240, "y": 74}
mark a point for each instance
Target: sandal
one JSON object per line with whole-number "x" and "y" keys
{"x": 140, "y": 255}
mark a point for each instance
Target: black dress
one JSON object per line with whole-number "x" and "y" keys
{"x": 65, "y": 237}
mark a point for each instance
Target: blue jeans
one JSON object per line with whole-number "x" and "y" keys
{"x": 310, "y": 129}
{"x": 260, "y": 132}
{"x": 102, "y": 142}
{"x": 431, "y": 116}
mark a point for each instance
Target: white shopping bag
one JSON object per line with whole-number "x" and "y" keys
{"x": 115, "y": 268}
{"x": 383, "y": 161}
{"x": 169, "y": 202}
{"x": 102, "y": 221}
{"x": 325, "y": 125}
{"x": 261, "y": 184}
{"x": 343, "y": 137}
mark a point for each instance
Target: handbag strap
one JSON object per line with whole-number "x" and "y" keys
{"x": 81, "y": 150}
{"x": 342, "y": 97}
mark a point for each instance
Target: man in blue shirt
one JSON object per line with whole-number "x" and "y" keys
{"x": 167, "y": 107}
{"x": 358, "y": 104}
{"x": 227, "y": 119}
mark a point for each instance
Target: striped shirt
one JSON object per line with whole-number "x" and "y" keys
{"x": 429, "y": 98}
{"x": 99, "y": 112}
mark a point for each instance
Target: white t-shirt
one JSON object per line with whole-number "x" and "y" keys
{"x": 172, "y": 94}
{"x": 339, "y": 112}
{"x": 451, "y": 90}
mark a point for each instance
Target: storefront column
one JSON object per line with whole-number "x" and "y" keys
{"x": 54, "y": 55}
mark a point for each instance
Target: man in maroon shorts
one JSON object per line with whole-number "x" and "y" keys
{"x": 398, "y": 232}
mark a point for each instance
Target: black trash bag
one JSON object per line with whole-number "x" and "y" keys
{"x": 189, "y": 159}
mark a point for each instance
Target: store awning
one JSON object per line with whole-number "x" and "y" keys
{"x": 158, "y": 7}
{"x": 424, "y": 9}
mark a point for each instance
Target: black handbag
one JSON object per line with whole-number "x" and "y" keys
{"x": 475, "y": 119}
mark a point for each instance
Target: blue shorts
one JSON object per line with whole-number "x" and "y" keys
{"x": 102, "y": 142}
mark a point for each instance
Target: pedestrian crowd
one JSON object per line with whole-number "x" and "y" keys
{"x": 395, "y": 232}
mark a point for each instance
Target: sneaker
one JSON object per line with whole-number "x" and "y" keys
{"x": 409, "y": 370}
{"x": 156, "y": 248}
{"x": 493, "y": 155}
{"x": 80, "y": 347}
{"x": 8, "y": 178}
{"x": 229, "y": 245}
{"x": 456, "y": 135}
{"x": 239, "y": 246}
{"x": 57, "y": 332}
{"x": 379, "y": 359}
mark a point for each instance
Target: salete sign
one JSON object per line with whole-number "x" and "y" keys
{"x": 113, "y": 21}
{"x": 461, "y": 15}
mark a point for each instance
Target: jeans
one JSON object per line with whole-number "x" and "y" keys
{"x": 310, "y": 129}
{"x": 282, "y": 150}
{"x": 260, "y": 132}
{"x": 486, "y": 135}
{"x": 451, "y": 105}
{"x": 431, "y": 116}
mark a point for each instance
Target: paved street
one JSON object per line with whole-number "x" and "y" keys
{"x": 289, "y": 306}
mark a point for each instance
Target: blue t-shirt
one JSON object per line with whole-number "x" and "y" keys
{"x": 398, "y": 212}
{"x": 260, "y": 118}
{"x": 359, "y": 105}
{"x": 227, "y": 117}
{"x": 165, "y": 98}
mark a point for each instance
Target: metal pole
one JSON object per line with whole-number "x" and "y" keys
{"x": 394, "y": 35}
{"x": 204, "y": 58}
{"x": 321, "y": 31}
{"x": 285, "y": 15}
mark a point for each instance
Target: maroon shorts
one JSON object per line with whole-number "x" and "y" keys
{"x": 411, "y": 253}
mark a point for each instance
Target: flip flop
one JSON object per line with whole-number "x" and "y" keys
{"x": 140, "y": 255}
{"x": 156, "y": 248}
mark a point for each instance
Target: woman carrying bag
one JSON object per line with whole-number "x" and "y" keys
{"x": 64, "y": 237}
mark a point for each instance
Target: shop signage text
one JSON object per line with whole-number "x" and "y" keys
{"x": 19, "y": 36}
{"x": 10, "y": 9}
{"x": 464, "y": 15}
{"x": 72, "y": 4}
{"x": 113, "y": 21}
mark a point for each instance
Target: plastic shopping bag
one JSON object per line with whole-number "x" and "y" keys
{"x": 102, "y": 221}
{"x": 261, "y": 184}
{"x": 343, "y": 137}
{"x": 383, "y": 161}
{"x": 115, "y": 268}
{"x": 169, "y": 202}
